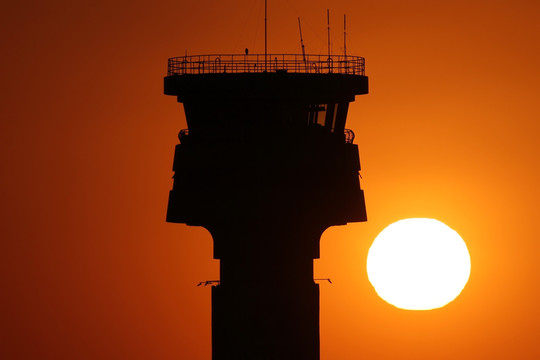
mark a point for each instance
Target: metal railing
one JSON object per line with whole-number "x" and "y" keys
{"x": 348, "y": 135}
{"x": 259, "y": 63}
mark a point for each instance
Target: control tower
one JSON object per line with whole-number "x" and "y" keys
{"x": 266, "y": 166}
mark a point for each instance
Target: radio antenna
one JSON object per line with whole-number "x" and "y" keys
{"x": 265, "y": 36}
{"x": 328, "y": 22}
{"x": 302, "y": 43}
{"x": 345, "y": 34}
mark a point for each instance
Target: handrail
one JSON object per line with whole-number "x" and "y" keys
{"x": 182, "y": 135}
{"x": 256, "y": 63}
{"x": 348, "y": 135}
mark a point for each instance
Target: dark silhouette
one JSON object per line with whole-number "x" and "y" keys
{"x": 266, "y": 165}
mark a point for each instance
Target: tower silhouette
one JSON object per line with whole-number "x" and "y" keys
{"x": 266, "y": 166}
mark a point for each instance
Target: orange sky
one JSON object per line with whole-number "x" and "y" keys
{"x": 91, "y": 270}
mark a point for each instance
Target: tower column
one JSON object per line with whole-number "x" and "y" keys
{"x": 267, "y": 304}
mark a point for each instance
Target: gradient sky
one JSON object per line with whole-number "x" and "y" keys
{"x": 91, "y": 270}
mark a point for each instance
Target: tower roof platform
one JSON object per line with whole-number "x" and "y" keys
{"x": 294, "y": 76}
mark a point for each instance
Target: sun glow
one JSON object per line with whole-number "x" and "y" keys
{"x": 418, "y": 264}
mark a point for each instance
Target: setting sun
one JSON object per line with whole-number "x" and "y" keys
{"x": 418, "y": 264}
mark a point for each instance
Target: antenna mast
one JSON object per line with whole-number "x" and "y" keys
{"x": 328, "y": 22}
{"x": 265, "y": 36}
{"x": 302, "y": 43}
{"x": 345, "y": 34}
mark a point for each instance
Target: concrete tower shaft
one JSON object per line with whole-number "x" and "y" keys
{"x": 266, "y": 165}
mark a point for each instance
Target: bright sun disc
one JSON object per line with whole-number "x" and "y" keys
{"x": 418, "y": 264}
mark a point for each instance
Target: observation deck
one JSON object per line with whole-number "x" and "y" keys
{"x": 299, "y": 78}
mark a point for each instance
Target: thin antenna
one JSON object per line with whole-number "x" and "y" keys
{"x": 265, "y": 35}
{"x": 345, "y": 34}
{"x": 302, "y": 43}
{"x": 328, "y": 22}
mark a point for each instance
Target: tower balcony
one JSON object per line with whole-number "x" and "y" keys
{"x": 261, "y": 63}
